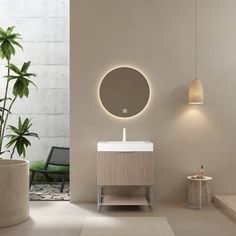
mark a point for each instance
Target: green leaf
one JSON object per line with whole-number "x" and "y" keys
{"x": 10, "y": 143}
{"x": 1, "y": 54}
{"x": 19, "y": 139}
{"x": 14, "y": 68}
{"x": 29, "y": 74}
{"x": 8, "y": 41}
{"x": 26, "y": 91}
{"x": 25, "y": 66}
{"x": 16, "y": 43}
{"x": 33, "y": 135}
{"x": 20, "y": 123}
{"x": 9, "y": 30}
{"x": 10, "y": 77}
{"x": 13, "y": 128}
{"x": 12, "y": 49}
{"x": 19, "y": 146}
{"x": 26, "y": 142}
{"x": 25, "y": 124}
{"x": 30, "y": 82}
{"x": 21, "y": 85}
{"x": 18, "y": 89}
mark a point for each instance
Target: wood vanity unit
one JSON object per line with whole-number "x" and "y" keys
{"x": 125, "y": 164}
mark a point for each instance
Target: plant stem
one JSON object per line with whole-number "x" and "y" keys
{"x": 13, "y": 150}
{"x": 4, "y": 106}
{"x": 8, "y": 112}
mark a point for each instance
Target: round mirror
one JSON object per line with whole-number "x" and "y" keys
{"x": 124, "y": 92}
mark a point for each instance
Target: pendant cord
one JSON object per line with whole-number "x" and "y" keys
{"x": 195, "y": 49}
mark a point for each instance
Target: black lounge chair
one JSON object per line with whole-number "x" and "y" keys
{"x": 58, "y": 156}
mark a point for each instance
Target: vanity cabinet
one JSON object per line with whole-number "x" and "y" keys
{"x": 125, "y": 168}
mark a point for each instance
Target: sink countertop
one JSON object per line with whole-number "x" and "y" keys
{"x": 127, "y": 146}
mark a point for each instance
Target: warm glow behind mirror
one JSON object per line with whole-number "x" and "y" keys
{"x": 124, "y": 92}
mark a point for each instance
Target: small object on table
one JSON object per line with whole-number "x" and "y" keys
{"x": 198, "y": 177}
{"x": 198, "y": 191}
{"x": 202, "y": 172}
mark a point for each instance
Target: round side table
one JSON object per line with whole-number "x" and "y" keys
{"x": 199, "y": 192}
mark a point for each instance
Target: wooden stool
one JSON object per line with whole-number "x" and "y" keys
{"x": 199, "y": 192}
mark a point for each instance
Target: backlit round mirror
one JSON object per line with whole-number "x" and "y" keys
{"x": 124, "y": 92}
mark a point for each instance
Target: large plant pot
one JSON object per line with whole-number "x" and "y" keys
{"x": 14, "y": 192}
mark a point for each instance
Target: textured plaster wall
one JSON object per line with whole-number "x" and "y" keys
{"x": 157, "y": 37}
{"x": 44, "y": 26}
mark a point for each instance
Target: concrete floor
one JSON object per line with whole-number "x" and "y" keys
{"x": 66, "y": 219}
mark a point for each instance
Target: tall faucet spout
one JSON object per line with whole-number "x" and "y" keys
{"x": 124, "y": 134}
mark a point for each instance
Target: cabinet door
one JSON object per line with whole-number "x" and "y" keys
{"x": 125, "y": 168}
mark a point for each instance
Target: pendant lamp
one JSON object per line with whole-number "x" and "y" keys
{"x": 196, "y": 95}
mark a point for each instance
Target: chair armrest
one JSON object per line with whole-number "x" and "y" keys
{"x": 49, "y": 171}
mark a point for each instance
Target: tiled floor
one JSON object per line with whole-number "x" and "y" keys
{"x": 66, "y": 219}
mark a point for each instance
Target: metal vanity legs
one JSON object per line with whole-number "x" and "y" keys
{"x": 150, "y": 197}
{"x": 99, "y": 197}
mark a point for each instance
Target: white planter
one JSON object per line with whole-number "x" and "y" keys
{"x": 14, "y": 192}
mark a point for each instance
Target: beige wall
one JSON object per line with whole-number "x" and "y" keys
{"x": 157, "y": 37}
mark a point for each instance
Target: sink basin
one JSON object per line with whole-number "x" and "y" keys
{"x": 127, "y": 146}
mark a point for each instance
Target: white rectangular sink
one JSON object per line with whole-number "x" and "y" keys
{"x": 127, "y": 146}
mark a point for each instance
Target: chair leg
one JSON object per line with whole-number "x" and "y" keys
{"x": 47, "y": 178}
{"x": 63, "y": 183}
{"x": 31, "y": 178}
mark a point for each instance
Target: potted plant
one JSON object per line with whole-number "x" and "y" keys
{"x": 14, "y": 172}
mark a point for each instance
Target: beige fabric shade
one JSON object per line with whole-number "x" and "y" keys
{"x": 196, "y": 92}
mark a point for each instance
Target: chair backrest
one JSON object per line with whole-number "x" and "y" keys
{"x": 58, "y": 156}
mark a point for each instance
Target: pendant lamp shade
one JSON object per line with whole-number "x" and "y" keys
{"x": 195, "y": 95}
